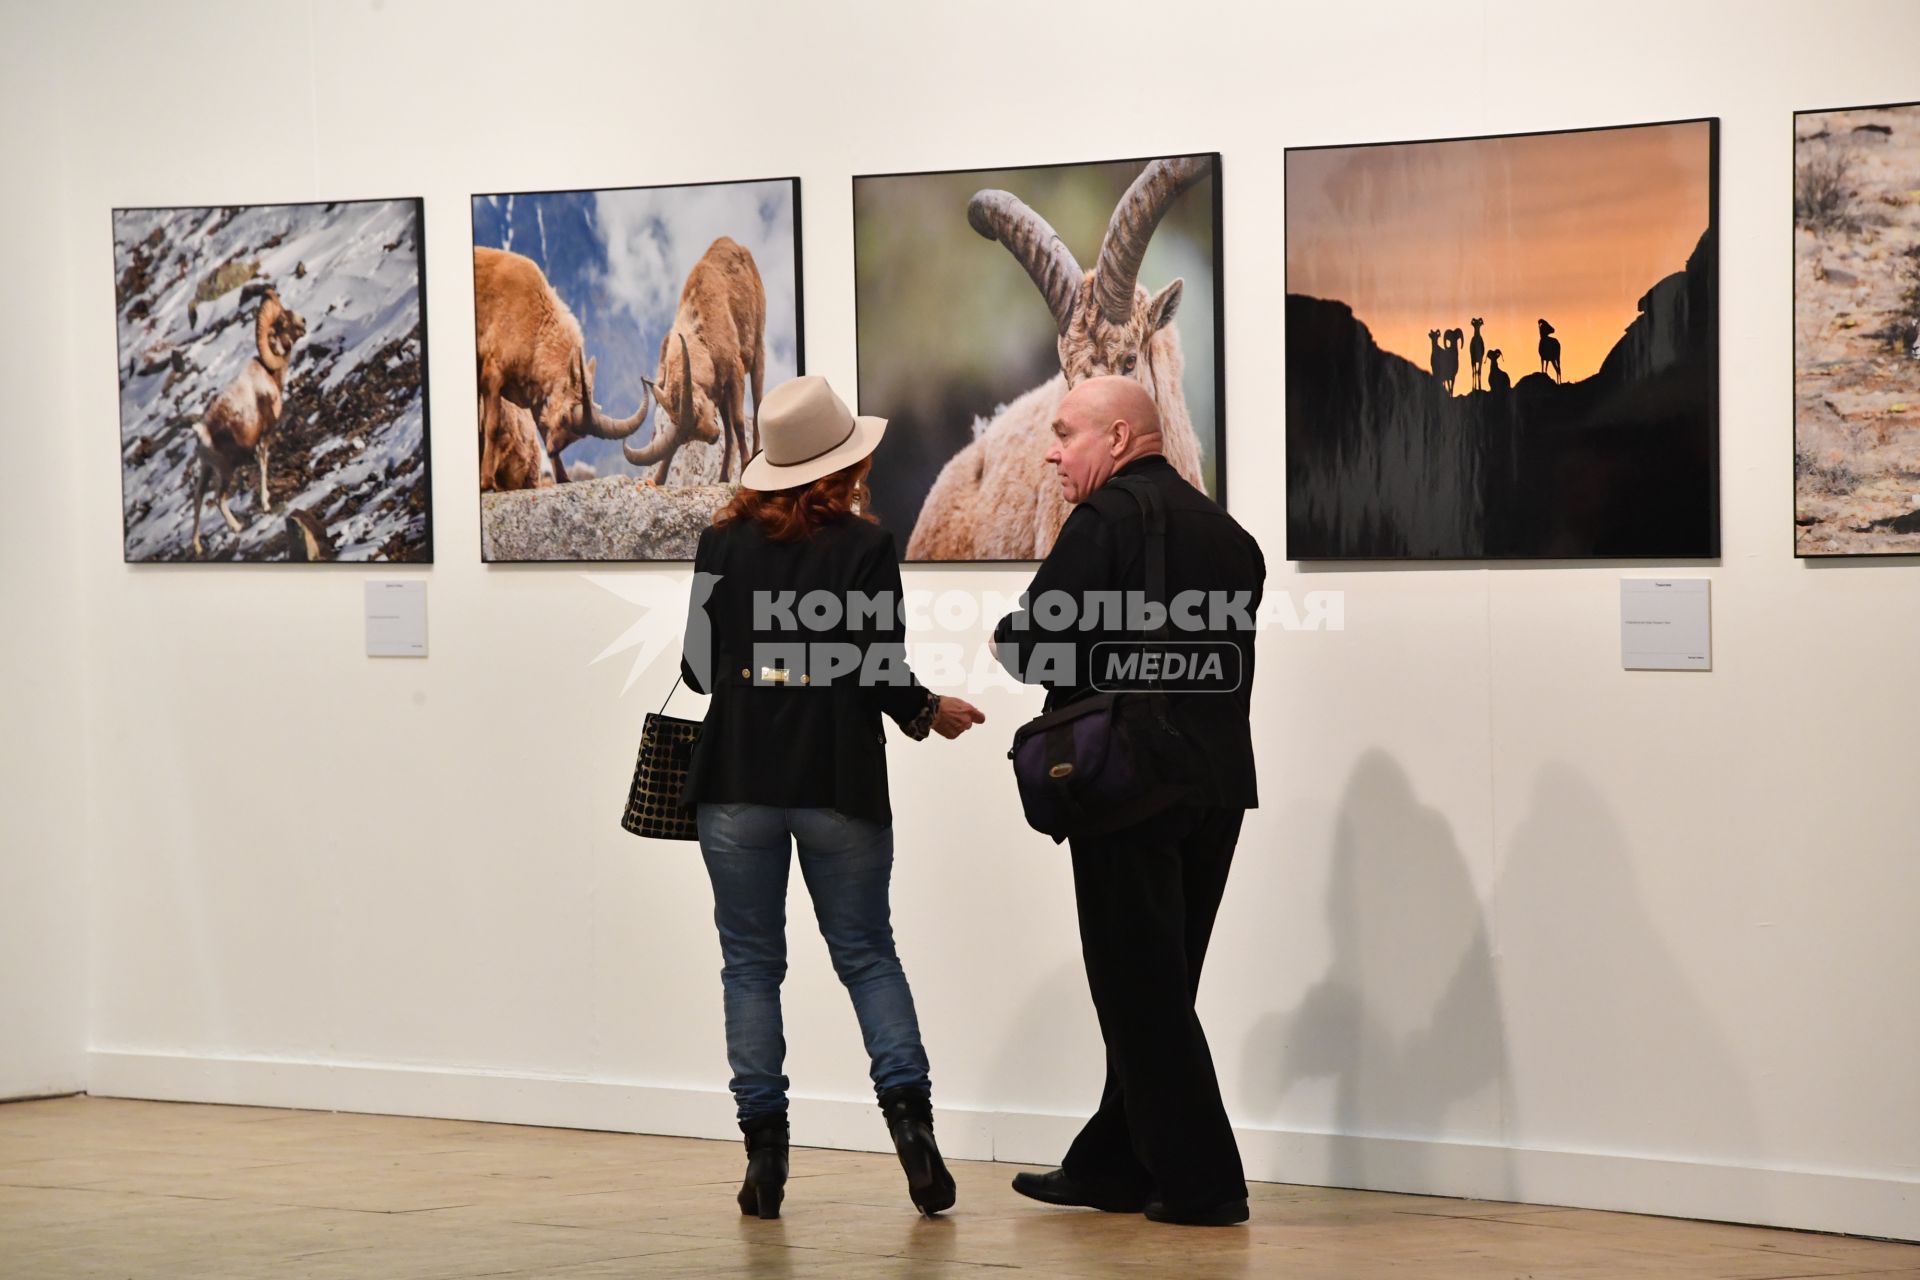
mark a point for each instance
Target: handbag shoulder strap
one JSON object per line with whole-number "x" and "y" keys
{"x": 1153, "y": 514}
{"x": 669, "y": 698}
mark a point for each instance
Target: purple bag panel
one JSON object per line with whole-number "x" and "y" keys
{"x": 1076, "y": 771}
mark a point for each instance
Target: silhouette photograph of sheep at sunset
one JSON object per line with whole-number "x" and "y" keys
{"x": 1587, "y": 259}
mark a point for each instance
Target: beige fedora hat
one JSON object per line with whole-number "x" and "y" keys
{"x": 806, "y": 431}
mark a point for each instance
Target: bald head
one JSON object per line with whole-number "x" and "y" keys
{"x": 1117, "y": 399}
{"x": 1101, "y": 426}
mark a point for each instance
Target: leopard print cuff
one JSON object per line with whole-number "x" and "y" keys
{"x": 921, "y": 725}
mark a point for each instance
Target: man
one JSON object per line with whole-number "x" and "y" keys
{"x": 1147, "y": 895}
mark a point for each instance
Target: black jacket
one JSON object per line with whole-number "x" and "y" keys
{"x": 812, "y": 739}
{"x": 1102, "y": 548}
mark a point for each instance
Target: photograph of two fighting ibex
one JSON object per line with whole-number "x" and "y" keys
{"x": 273, "y": 402}
{"x": 623, "y": 340}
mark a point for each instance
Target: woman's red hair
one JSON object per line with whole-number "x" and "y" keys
{"x": 789, "y": 515}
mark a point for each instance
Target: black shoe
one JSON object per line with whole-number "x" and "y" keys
{"x": 1057, "y": 1187}
{"x": 909, "y": 1113}
{"x": 766, "y": 1182}
{"x": 1225, "y": 1214}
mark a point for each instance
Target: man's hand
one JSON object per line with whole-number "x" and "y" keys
{"x": 955, "y": 716}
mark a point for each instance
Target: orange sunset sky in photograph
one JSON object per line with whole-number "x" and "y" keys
{"x": 1571, "y": 227}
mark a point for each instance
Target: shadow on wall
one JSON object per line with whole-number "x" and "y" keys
{"x": 1615, "y": 1055}
{"x": 1406, "y": 1021}
{"x": 1619, "y": 1053}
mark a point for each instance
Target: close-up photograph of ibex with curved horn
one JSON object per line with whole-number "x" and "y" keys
{"x": 996, "y": 498}
{"x": 713, "y": 356}
{"x": 530, "y": 352}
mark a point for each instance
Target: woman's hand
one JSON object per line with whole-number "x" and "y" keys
{"x": 955, "y": 716}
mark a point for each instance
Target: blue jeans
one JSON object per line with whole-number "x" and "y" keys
{"x": 847, "y": 863}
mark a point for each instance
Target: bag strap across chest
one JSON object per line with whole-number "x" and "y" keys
{"x": 1153, "y": 516}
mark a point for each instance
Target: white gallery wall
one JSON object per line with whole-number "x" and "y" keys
{"x": 45, "y": 802}
{"x": 1509, "y": 922}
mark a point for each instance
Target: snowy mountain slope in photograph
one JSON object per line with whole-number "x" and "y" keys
{"x": 350, "y": 447}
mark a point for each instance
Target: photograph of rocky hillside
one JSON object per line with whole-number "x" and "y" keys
{"x": 1856, "y": 331}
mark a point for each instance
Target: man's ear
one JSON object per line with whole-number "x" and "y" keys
{"x": 1119, "y": 437}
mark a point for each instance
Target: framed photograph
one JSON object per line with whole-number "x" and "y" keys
{"x": 983, "y": 294}
{"x": 1505, "y": 347}
{"x": 273, "y": 382}
{"x": 1856, "y": 331}
{"x": 623, "y": 340}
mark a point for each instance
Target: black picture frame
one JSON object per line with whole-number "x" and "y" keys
{"x": 1311, "y": 545}
{"x": 420, "y": 491}
{"x": 1217, "y": 226}
{"x": 1907, "y": 525}
{"x": 799, "y": 324}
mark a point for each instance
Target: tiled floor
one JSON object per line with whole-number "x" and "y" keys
{"x": 98, "y": 1187}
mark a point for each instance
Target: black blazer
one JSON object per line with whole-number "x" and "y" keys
{"x": 1102, "y": 547}
{"x": 806, "y": 738}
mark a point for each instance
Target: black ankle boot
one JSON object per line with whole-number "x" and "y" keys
{"x": 766, "y": 1182}
{"x": 909, "y": 1113}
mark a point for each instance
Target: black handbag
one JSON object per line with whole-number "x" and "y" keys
{"x": 660, "y": 775}
{"x": 1106, "y": 760}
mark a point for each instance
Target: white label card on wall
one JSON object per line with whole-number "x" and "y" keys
{"x": 397, "y": 619}
{"x": 1664, "y": 624}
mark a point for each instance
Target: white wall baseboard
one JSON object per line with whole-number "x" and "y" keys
{"x": 1803, "y": 1199}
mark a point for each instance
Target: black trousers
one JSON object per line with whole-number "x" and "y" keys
{"x": 1147, "y": 898}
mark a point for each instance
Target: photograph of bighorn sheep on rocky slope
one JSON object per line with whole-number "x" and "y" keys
{"x": 1856, "y": 331}
{"x": 984, "y": 295}
{"x": 1587, "y": 256}
{"x": 273, "y": 365}
{"x": 240, "y": 421}
{"x": 681, "y": 304}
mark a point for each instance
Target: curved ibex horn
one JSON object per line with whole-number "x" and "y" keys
{"x": 661, "y": 446}
{"x": 586, "y": 424}
{"x": 1000, "y": 215}
{"x": 1132, "y": 226}
{"x": 683, "y": 404}
{"x": 597, "y": 424}
{"x": 658, "y": 447}
{"x": 263, "y": 338}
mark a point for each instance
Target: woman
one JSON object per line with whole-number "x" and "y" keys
{"x": 796, "y": 632}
